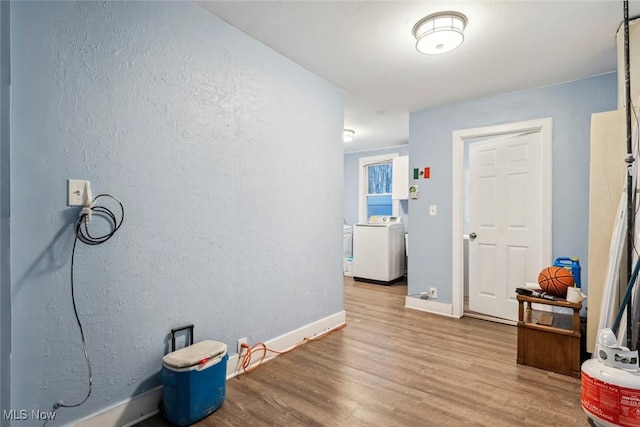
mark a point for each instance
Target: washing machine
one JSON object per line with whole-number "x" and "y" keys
{"x": 347, "y": 249}
{"x": 378, "y": 250}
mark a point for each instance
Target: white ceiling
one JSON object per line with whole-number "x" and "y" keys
{"x": 367, "y": 49}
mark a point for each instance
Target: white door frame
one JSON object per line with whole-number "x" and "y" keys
{"x": 545, "y": 128}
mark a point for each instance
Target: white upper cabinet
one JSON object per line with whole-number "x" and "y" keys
{"x": 400, "y": 178}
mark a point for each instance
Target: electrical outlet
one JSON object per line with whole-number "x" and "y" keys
{"x": 240, "y": 342}
{"x": 433, "y": 293}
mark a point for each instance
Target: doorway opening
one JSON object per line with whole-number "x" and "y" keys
{"x": 540, "y": 133}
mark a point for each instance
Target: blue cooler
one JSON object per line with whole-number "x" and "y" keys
{"x": 194, "y": 381}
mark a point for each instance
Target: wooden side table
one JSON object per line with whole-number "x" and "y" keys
{"x": 554, "y": 347}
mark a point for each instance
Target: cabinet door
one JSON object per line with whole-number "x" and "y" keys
{"x": 400, "y": 178}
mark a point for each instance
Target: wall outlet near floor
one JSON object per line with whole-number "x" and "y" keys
{"x": 240, "y": 342}
{"x": 433, "y": 293}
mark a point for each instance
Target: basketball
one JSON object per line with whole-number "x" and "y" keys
{"x": 555, "y": 281}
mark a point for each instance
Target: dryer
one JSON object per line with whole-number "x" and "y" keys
{"x": 378, "y": 250}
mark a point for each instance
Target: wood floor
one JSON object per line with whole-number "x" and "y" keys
{"x": 393, "y": 366}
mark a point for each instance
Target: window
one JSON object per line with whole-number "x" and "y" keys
{"x": 376, "y": 187}
{"x": 378, "y": 192}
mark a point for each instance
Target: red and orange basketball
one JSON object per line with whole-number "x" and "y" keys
{"x": 555, "y": 281}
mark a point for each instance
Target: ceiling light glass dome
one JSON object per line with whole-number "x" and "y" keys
{"x": 347, "y": 135}
{"x": 439, "y": 32}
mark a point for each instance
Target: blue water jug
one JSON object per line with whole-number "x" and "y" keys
{"x": 571, "y": 264}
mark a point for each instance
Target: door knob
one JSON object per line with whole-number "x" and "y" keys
{"x": 473, "y": 236}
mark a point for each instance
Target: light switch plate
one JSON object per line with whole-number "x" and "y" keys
{"x": 76, "y": 189}
{"x": 433, "y": 210}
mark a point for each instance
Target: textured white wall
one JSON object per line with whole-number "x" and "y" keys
{"x": 228, "y": 159}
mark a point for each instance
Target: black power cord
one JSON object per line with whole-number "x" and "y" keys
{"x": 82, "y": 234}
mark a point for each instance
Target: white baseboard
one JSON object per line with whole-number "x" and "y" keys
{"x": 490, "y": 318}
{"x": 145, "y": 405}
{"x": 430, "y": 306}
{"x": 290, "y": 339}
{"x": 126, "y": 413}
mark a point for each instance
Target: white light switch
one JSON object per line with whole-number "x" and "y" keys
{"x": 77, "y": 192}
{"x": 433, "y": 210}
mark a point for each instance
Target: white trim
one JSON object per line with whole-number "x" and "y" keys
{"x": 366, "y": 150}
{"x": 145, "y": 405}
{"x": 429, "y": 306}
{"x": 290, "y": 339}
{"x": 545, "y": 127}
{"x": 491, "y": 319}
{"x": 125, "y": 413}
{"x": 362, "y": 162}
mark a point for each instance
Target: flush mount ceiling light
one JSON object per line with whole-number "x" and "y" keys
{"x": 347, "y": 135}
{"x": 439, "y": 32}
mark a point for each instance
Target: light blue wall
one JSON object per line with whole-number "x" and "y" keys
{"x": 570, "y": 105}
{"x": 5, "y": 212}
{"x": 208, "y": 138}
{"x": 352, "y": 179}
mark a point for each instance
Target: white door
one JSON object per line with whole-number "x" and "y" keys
{"x": 505, "y": 215}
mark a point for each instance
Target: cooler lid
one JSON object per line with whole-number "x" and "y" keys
{"x": 194, "y": 354}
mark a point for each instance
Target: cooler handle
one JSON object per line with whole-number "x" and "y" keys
{"x": 182, "y": 328}
{"x": 215, "y": 359}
